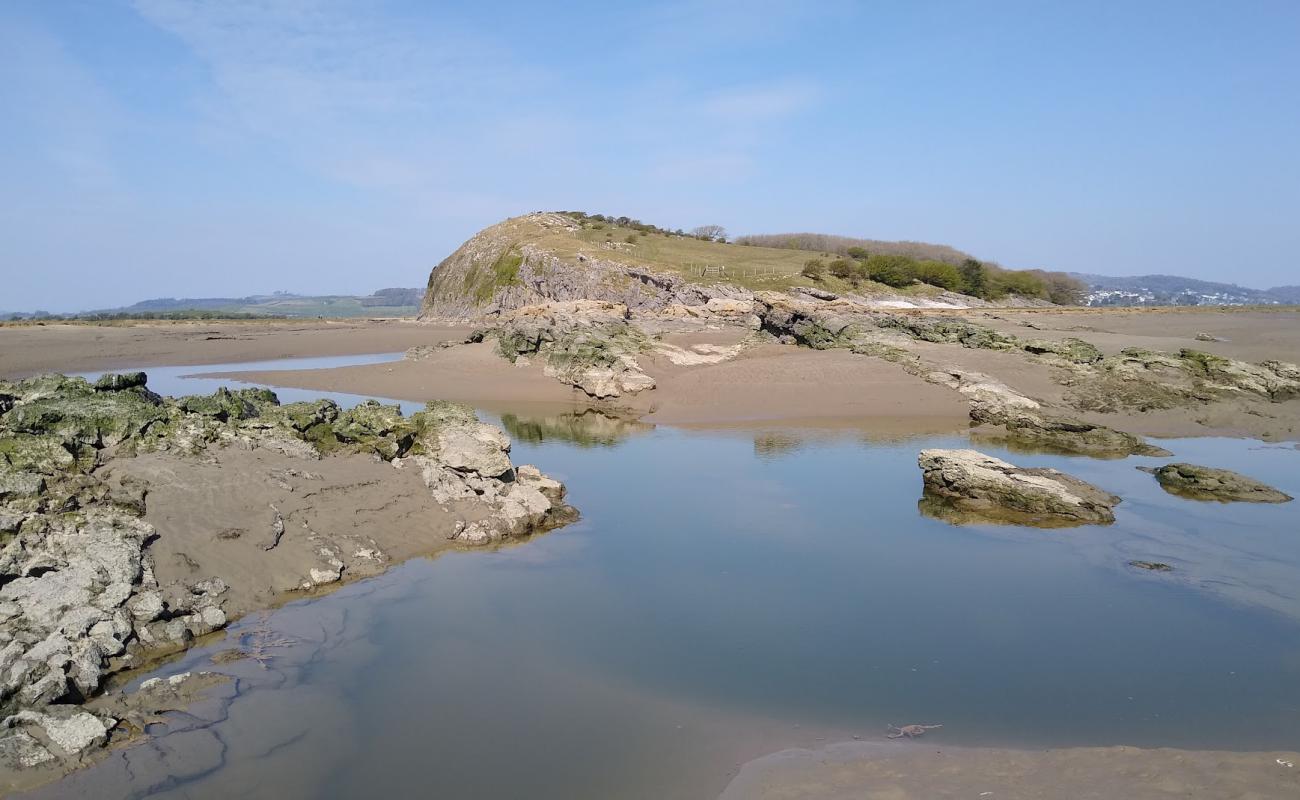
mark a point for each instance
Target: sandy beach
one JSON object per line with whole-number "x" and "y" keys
{"x": 764, "y": 383}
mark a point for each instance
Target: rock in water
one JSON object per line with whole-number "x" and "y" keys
{"x": 1207, "y": 483}
{"x": 989, "y": 488}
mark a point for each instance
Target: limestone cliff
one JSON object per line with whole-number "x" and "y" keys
{"x": 538, "y": 258}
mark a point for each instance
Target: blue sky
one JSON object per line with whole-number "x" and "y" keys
{"x": 176, "y": 148}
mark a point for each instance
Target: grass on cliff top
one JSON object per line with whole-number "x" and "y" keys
{"x": 708, "y": 263}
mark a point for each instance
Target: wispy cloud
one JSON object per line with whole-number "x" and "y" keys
{"x": 763, "y": 102}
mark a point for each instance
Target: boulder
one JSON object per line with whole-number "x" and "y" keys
{"x": 989, "y": 487}
{"x": 1207, "y": 483}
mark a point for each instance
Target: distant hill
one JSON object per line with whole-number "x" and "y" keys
{"x": 1174, "y": 290}
{"x": 393, "y": 302}
{"x": 573, "y": 255}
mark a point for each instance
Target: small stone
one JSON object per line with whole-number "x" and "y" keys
{"x": 1151, "y": 566}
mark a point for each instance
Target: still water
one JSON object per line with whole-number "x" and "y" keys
{"x": 730, "y": 594}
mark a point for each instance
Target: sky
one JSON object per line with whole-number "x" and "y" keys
{"x": 179, "y": 148}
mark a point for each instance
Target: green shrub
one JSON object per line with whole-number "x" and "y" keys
{"x": 974, "y": 278}
{"x": 813, "y": 268}
{"x": 896, "y": 271}
{"x": 938, "y": 273}
{"x": 1023, "y": 284}
{"x": 858, "y": 253}
{"x": 841, "y": 268}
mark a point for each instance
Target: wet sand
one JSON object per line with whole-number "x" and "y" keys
{"x": 924, "y": 769}
{"x": 769, "y": 383}
{"x": 765, "y": 384}
{"x": 222, "y": 513}
{"x": 29, "y": 349}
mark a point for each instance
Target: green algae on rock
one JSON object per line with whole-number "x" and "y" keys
{"x": 79, "y": 596}
{"x": 1208, "y": 483}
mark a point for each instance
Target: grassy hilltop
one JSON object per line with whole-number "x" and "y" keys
{"x": 532, "y": 248}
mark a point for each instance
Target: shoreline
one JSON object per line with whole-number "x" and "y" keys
{"x": 764, "y": 387}
{"x": 923, "y": 769}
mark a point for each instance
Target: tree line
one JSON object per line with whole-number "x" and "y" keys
{"x": 970, "y": 277}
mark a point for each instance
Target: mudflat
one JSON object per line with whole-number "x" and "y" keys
{"x": 758, "y": 382}
{"x": 30, "y": 348}
{"x": 920, "y": 770}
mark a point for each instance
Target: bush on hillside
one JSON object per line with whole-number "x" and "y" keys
{"x": 938, "y": 273}
{"x": 841, "y": 268}
{"x": 974, "y": 279}
{"x": 896, "y": 271}
{"x": 813, "y": 268}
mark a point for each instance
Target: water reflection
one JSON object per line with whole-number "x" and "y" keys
{"x": 585, "y": 428}
{"x": 728, "y": 595}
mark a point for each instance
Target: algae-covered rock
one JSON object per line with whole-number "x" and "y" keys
{"x": 1275, "y": 380}
{"x": 953, "y": 331}
{"x": 1207, "y": 483}
{"x": 83, "y": 418}
{"x": 589, "y": 346}
{"x": 1075, "y": 351}
{"x": 374, "y": 427}
{"x": 116, "y": 382}
{"x": 988, "y": 487}
{"x": 1060, "y": 433}
{"x": 227, "y": 405}
{"x": 15, "y": 483}
{"x": 36, "y": 453}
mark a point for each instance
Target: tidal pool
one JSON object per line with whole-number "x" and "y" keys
{"x": 729, "y": 594}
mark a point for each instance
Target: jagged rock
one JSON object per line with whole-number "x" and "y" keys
{"x": 18, "y": 750}
{"x": 966, "y": 334}
{"x": 116, "y": 382}
{"x": 70, "y": 730}
{"x": 1274, "y": 380}
{"x": 588, "y": 345}
{"x": 16, "y": 483}
{"x": 977, "y": 483}
{"x": 1208, "y": 483}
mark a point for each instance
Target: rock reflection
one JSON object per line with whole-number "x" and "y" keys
{"x": 587, "y": 428}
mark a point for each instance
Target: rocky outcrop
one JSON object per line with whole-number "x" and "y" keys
{"x": 531, "y": 260}
{"x": 990, "y": 488}
{"x": 1058, "y": 433}
{"x": 1208, "y": 483}
{"x": 1146, "y": 380}
{"x": 79, "y": 597}
{"x": 586, "y": 344}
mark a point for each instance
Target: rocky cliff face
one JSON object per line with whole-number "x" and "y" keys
{"x": 505, "y": 267}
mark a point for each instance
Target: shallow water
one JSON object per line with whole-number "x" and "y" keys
{"x": 729, "y": 594}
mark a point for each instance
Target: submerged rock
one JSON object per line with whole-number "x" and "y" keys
{"x": 982, "y": 485}
{"x": 1207, "y": 483}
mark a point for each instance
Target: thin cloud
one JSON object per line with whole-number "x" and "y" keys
{"x": 761, "y": 103}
